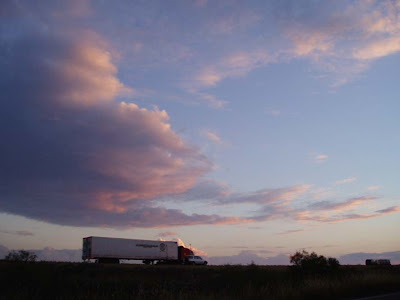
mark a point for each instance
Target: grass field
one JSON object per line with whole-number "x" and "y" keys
{"x": 45, "y": 280}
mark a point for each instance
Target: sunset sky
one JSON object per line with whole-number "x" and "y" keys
{"x": 242, "y": 128}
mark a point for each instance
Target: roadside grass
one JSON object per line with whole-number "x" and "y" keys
{"x": 47, "y": 280}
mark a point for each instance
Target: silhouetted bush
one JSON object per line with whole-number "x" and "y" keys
{"x": 21, "y": 256}
{"x": 333, "y": 263}
{"x": 313, "y": 262}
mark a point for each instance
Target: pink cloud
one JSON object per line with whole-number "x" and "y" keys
{"x": 212, "y": 100}
{"x": 212, "y": 136}
{"x": 278, "y": 196}
{"x": 339, "y": 206}
{"x": 231, "y": 66}
{"x": 379, "y": 48}
{"x": 310, "y": 43}
{"x": 342, "y": 39}
{"x": 308, "y": 215}
{"x": 209, "y": 77}
{"x": 79, "y": 156}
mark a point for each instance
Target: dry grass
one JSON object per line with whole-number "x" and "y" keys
{"x": 92, "y": 281}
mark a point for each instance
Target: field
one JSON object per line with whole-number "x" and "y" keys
{"x": 45, "y": 280}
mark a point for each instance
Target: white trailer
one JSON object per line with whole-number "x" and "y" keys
{"x": 106, "y": 249}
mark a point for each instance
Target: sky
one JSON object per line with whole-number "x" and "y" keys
{"x": 242, "y": 129}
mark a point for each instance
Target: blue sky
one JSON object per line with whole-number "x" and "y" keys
{"x": 269, "y": 126}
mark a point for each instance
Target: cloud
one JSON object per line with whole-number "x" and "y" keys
{"x": 313, "y": 42}
{"x": 320, "y": 158}
{"x": 279, "y": 196}
{"x": 212, "y": 100}
{"x": 212, "y": 136}
{"x": 339, "y": 39}
{"x": 343, "y": 181}
{"x": 72, "y": 154}
{"x": 308, "y": 215}
{"x": 284, "y": 203}
{"x": 167, "y": 233}
{"x": 378, "y": 49}
{"x": 345, "y": 205}
{"x": 291, "y": 231}
{"x": 273, "y": 203}
{"x": 210, "y": 190}
{"x": 374, "y": 188}
{"x": 342, "y": 38}
{"x": 294, "y": 208}
{"x": 389, "y": 210}
{"x": 230, "y": 66}
{"x": 273, "y": 112}
{"x": 19, "y": 232}
{"x": 320, "y": 193}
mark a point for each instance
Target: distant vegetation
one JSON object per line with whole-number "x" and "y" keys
{"x": 21, "y": 256}
{"x": 313, "y": 262}
{"x": 44, "y": 280}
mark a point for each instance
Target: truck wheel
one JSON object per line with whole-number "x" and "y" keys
{"x": 205, "y": 263}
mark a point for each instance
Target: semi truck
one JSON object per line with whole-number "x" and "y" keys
{"x": 112, "y": 250}
{"x": 373, "y": 262}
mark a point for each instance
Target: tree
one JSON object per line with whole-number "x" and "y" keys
{"x": 21, "y": 255}
{"x": 313, "y": 262}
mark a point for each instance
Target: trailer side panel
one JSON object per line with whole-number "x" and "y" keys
{"x": 104, "y": 247}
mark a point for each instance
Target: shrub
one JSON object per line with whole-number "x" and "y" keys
{"x": 313, "y": 262}
{"x": 21, "y": 255}
{"x": 333, "y": 263}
